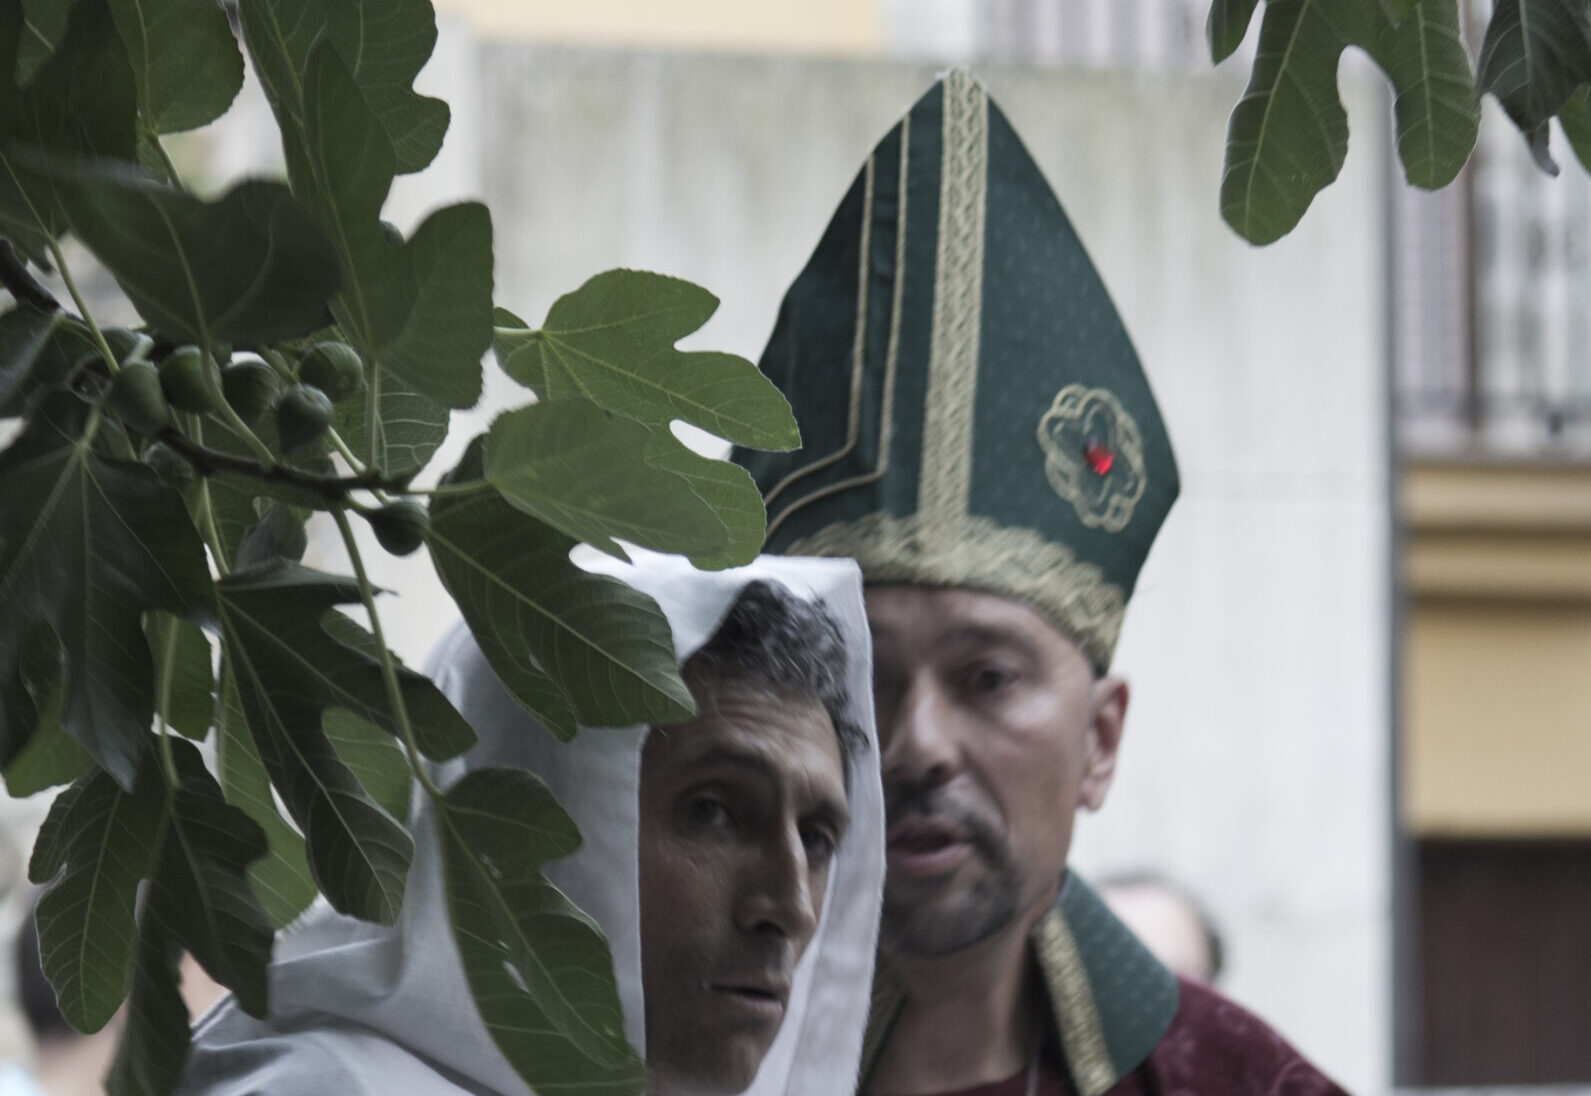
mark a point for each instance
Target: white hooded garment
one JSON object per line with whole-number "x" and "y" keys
{"x": 367, "y": 1010}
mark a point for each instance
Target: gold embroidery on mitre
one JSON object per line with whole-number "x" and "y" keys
{"x": 1072, "y": 999}
{"x": 946, "y": 475}
{"x": 979, "y": 554}
{"x": 1093, "y": 455}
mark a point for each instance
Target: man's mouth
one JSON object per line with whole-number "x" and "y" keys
{"x": 923, "y": 847}
{"x": 763, "y": 998}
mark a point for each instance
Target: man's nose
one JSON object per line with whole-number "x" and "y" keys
{"x": 919, "y": 741}
{"x": 778, "y": 896}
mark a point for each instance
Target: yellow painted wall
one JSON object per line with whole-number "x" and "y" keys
{"x": 800, "y": 26}
{"x": 1496, "y": 720}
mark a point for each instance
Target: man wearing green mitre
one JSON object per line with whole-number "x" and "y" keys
{"x": 980, "y": 437}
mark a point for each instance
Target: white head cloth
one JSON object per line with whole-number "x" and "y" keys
{"x": 366, "y": 1010}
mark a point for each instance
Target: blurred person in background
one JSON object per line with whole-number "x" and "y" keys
{"x": 64, "y": 1062}
{"x": 979, "y": 435}
{"x": 1169, "y": 920}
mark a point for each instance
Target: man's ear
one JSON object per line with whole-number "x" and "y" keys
{"x": 1110, "y": 696}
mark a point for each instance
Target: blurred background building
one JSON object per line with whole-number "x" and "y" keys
{"x": 1358, "y": 731}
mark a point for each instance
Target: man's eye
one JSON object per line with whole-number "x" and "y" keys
{"x": 820, "y": 845}
{"x": 988, "y": 679}
{"x": 704, "y": 810}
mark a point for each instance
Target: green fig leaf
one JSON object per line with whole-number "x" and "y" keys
{"x": 185, "y": 61}
{"x": 584, "y": 471}
{"x": 281, "y": 878}
{"x": 612, "y": 342}
{"x": 383, "y": 43}
{"x": 43, "y": 27}
{"x": 409, "y": 427}
{"x": 87, "y": 546}
{"x": 289, "y": 667}
{"x": 1288, "y": 135}
{"x": 358, "y": 854}
{"x": 1226, "y": 26}
{"x": 50, "y": 758}
{"x": 192, "y": 684}
{"x": 97, "y": 842}
{"x": 571, "y": 646}
{"x": 248, "y": 268}
{"x": 539, "y": 969}
{"x": 39, "y": 351}
{"x": 80, "y": 102}
{"x": 1535, "y": 54}
{"x": 199, "y": 899}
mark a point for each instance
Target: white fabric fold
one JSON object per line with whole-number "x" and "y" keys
{"x": 366, "y": 1010}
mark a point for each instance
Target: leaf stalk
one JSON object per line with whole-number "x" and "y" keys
{"x": 389, "y": 670}
{"x": 373, "y": 415}
{"x": 168, "y": 660}
{"x": 82, "y": 308}
{"x": 165, "y": 159}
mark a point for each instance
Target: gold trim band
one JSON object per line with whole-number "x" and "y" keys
{"x": 945, "y": 485}
{"x": 980, "y": 554}
{"x": 1072, "y": 999}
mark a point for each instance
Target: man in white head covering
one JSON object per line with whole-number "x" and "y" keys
{"x": 734, "y": 864}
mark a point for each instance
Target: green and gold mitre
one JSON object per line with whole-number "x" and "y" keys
{"x": 973, "y": 412}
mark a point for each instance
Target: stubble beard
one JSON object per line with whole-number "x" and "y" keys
{"x": 925, "y": 917}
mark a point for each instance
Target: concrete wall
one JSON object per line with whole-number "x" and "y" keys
{"x": 1256, "y": 764}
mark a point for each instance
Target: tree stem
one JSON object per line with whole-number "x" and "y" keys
{"x": 452, "y": 490}
{"x": 208, "y": 462}
{"x": 207, "y": 528}
{"x": 22, "y": 285}
{"x": 389, "y": 671}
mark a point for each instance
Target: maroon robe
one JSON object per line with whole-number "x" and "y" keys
{"x": 1124, "y": 1025}
{"x": 1213, "y": 1048}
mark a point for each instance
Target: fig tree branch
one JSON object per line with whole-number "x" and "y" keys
{"x": 209, "y": 462}
{"x": 22, "y": 285}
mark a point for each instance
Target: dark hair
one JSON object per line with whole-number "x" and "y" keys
{"x": 772, "y": 638}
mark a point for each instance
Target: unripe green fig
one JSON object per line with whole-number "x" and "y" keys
{"x": 302, "y": 416}
{"x": 332, "y": 367}
{"x": 135, "y": 395}
{"x": 182, "y": 377}
{"x": 400, "y": 526}
{"x": 169, "y": 465}
{"x": 251, "y": 387}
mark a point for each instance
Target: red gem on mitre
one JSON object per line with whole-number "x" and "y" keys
{"x": 1098, "y": 457}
